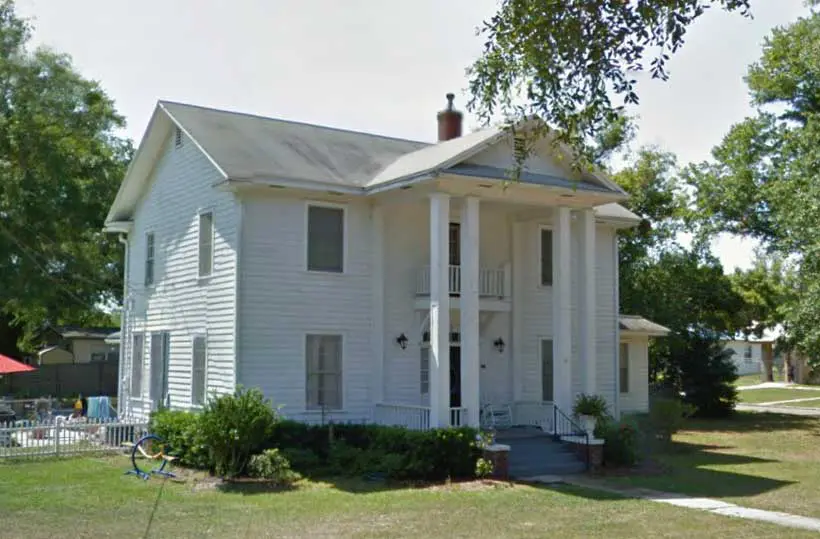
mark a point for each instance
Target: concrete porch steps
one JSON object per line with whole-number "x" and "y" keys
{"x": 533, "y": 454}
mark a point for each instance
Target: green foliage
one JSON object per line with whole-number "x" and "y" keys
{"x": 395, "y": 452}
{"x": 62, "y": 163}
{"x": 272, "y": 465}
{"x": 667, "y": 415}
{"x": 234, "y": 427}
{"x": 562, "y": 60}
{"x": 591, "y": 405}
{"x": 183, "y": 434}
{"x": 621, "y": 442}
{"x": 483, "y": 468}
{"x": 707, "y": 376}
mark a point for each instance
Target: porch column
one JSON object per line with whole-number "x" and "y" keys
{"x": 587, "y": 300}
{"x": 562, "y": 310}
{"x": 439, "y": 311}
{"x": 470, "y": 349}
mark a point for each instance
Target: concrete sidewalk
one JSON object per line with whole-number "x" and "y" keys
{"x": 709, "y": 505}
{"x": 793, "y": 410}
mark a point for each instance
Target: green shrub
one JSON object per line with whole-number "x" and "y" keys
{"x": 234, "y": 427}
{"x": 271, "y": 464}
{"x": 183, "y": 436}
{"x": 620, "y": 442}
{"x": 667, "y": 416}
{"x": 591, "y": 405}
{"x": 483, "y": 468}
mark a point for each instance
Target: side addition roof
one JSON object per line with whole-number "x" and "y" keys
{"x": 637, "y": 325}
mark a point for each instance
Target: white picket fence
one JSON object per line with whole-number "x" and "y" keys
{"x": 62, "y": 437}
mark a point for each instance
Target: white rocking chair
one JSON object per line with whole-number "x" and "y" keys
{"x": 496, "y": 416}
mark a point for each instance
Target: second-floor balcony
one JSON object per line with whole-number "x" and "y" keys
{"x": 495, "y": 283}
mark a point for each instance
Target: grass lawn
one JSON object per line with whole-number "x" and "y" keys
{"x": 90, "y": 497}
{"x": 754, "y": 396}
{"x": 764, "y": 460}
{"x": 749, "y": 380}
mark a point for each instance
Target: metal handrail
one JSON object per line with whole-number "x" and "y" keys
{"x": 564, "y": 425}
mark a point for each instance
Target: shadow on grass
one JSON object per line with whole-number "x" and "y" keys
{"x": 754, "y": 421}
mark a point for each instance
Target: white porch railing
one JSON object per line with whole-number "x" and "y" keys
{"x": 414, "y": 417}
{"x": 492, "y": 282}
{"x": 534, "y": 413}
{"x": 58, "y": 438}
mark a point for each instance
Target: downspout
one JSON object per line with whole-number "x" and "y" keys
{"x": 121, "y": 407}
{"x": 616, "y": 301}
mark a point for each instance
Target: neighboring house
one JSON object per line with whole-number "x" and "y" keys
{"x": 750, "y": 351}
{"x": 360, "y": 277}
{"x": 61, "y": 345}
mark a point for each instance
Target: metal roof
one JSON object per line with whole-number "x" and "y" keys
{"x": 639, "y": 325}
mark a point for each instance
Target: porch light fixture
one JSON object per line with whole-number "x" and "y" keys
{"x": 401, "y": 340}
{"x": 499, "y": 345}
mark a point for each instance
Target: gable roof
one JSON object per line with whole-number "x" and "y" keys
{"x": 246, "y": 147}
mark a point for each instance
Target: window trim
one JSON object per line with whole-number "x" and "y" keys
{"x": 200, "y": 213}
{"x": 541, "y": 228}
{"x": 345, "y": 227}
{"x": 141, "y": 395}
{"x": 342, "y": 399}
{"x": 628, "y": 346}
{"x": 194, "y": 337}
{"x": 153, "y": 260}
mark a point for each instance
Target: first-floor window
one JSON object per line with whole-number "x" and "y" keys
{"x": 137, "y": 351}
{"x": 425, "y": 370}
{"x": 623, "y": 367}
{"x": 199, "y": 364}
{"x": 323, "y": 355}
{"x": 160, "y": 352}
{"x": 547, "y": 372}
{"x": 747, "y": 354}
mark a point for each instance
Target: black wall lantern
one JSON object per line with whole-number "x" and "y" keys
{"x": 401, "y": 340}
{"x": 499, "y": 345}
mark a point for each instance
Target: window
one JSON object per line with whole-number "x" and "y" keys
{"x": 206, "y": 243}
{"x": 747, "y": 354}
{"x": 425, "y": 370}
{"x": 323, "y": 354}
{"x": 547, "y": 371}
{"x": 97, "y": 356}
{"x": 149, "y": 259}
{"x": 325, "y": 231}
{"x": 160, "y": 349}
{"x": 137, "y": 351}
{"x": 199, "y": 367}
{"x": 623, "y": 367}
{"x": 454, "y": 250}
{"x": 546, "y": 257}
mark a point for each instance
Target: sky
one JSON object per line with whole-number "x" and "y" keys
{"x": 380, "y": 66}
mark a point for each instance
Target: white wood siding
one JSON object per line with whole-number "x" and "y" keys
{"x": 755, "y": 365}
{"x": 179, "y": 302}
{"x": 637, "y": 398}
{"x": 280, "y": 302}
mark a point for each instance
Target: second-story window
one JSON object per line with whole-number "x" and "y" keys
{"x": 150, "y": 256}
{"x": 206, "y": 244}
{"x": 325, "y": 239}
{"x": 546, "y": 257}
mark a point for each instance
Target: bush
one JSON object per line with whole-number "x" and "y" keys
{"x": 620, "y": 442}
{"x": 234, "y": 427}
{"x": 272, "y": 465}
{"x": 667, "y": 416}
{"x": 183, "y": 436}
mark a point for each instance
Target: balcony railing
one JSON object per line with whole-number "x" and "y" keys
{"x": 492, "y": 282}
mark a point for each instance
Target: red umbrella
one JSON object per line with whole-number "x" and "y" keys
{"x": 9, "y": 366}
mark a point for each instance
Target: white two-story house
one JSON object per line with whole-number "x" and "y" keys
{"x": 358, "y": 277}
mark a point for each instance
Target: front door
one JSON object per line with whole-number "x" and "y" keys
{"x": 455, "y": 376}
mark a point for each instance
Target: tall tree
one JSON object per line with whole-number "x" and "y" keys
{"x": 563, "y": 60}
{"x": 762, "y": 181}
{"x": 60, "y": 164}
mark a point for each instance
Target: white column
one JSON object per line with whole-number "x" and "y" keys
{"x": 587, "y": 301}
{"x": 439, "y": 311}
{"x": 518, "y": 298}
{"x": 562, "y": 309}
{"x": 377, "y": 283}
{"x": 470, "y": 364}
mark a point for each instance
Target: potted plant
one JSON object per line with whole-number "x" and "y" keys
{"x": 589, "y": 409}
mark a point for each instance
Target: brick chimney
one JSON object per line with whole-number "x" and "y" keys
{"x": 449, "y": 121}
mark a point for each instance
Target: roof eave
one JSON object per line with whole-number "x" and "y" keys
{"x": 118, "y": 227}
